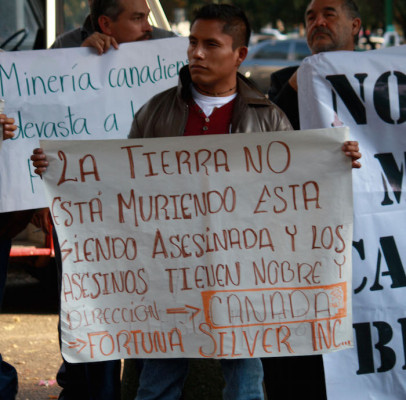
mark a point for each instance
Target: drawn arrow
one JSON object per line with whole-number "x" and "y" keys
{"x": 80, "y": 342}
{"x": 184, "y": 310}
{"x": 65, "y": 252}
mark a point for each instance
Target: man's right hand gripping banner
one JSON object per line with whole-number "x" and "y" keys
{"x": 367, "y": 92}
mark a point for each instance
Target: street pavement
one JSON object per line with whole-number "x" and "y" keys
{"x": 28, "y": 333}
{"x": 29, "y": 341}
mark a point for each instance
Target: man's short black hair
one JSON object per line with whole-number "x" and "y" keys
{"x": 235, "y": 21}
{"x": 353, "y": 12}
{"x": 110, "y": 8}
{"x": 351, "y": 8}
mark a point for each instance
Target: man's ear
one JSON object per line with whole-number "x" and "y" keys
{"x": 356, "y": 26}
{"x": 242, "y": 54}
{"x": 105, "y": 24}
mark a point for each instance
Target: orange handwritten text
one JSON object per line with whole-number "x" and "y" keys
{"x": 241, "y": 308}
{"x": 179, "y": 162}
{"x": 204, "y": 276}
{"x": 99, "y": 316}
{"x": 200, "y": 244}
{"x": 276, "y": 159}
{"x": 270, "y": 340}
{"x": 174, "y": 207}
{"x": 96, "y": 249}
{"x": 135, "y": 342}
{"x": 85, "y": 285}
{"x": 279, "y": 272}
{"x": 280, "y": 199}
{"x": 92, "y": 171}
{"x": 324, "y": 238}
{"x": 79, "y": 212}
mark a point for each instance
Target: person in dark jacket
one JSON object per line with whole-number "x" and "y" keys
{"x": 331, "y": 25}
{"x": 78, "y": 37}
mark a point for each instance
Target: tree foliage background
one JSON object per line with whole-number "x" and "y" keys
{"x": 260, "y": 12}
{"x": 291, "y": 12}
{"x": 74, "y": 13}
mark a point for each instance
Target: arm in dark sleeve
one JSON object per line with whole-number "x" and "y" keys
{"x": 284, "y": 96}
{"x": 287, "y": 101}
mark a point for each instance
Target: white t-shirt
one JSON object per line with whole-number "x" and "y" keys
{"x": 209, "y": 103}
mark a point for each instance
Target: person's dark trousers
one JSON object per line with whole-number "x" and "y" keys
{"x": 8, "y": 374}
{"x": 5, "y": 246}
{"x": 90, "y": 381}
{"x": 86, "y": 381}
{"x": 8, "y": 381}
{"x": 290, "y": 378}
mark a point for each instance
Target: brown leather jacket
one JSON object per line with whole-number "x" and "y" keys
{"x": 166, "y": 113}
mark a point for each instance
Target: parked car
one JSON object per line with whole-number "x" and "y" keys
{"x": 275, "y": 33}
{"x": 266, "y": 34}
{"x": 271, "y": 55}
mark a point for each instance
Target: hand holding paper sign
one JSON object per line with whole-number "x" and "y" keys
{"x": 100, "y": 42}
{"x": 8, "y": 127}
{"x": 39, "y": 160}
{"x": 351, "y": 149}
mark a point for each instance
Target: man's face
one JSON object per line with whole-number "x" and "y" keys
{"x": 329, "y": 27}
{"x": 213, "y": 63}
{"x": 132, "y": 23}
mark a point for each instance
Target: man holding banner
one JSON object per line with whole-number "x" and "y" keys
{"x": 218, "y": 45}
{"x": 210, "y": 88}
{"x": 98, "y": 34}
{"x": 211, "y": 98}
{"x": 218, "y": 102}
{"x": 331, "y": 25}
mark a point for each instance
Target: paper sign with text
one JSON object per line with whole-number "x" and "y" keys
{"x": 222, "y": 246}
{"x": 366, "y": 91}
{"x": 74, "y": 93}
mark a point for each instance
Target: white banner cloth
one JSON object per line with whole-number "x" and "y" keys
{"x": 217, "y": 246}
{"x": 73, "y": 93}
{"x": 367, "y": 92}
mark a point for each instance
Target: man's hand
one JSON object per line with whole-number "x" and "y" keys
{"x": 100, "y": 42}
{"x": 39, "y": 160}
{"x": 293, "y": 81}
{"x": 8, "y": 126}
{"x": 351, "y": 149}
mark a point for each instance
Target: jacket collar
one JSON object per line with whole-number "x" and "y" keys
{"x": 87, "y": 28}
{"x": 247, "y": 92}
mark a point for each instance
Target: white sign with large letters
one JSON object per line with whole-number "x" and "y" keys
{"x": 367, "y": 92}
{"x": 73, "y": 93}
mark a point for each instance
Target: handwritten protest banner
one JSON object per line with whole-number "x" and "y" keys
{"x": 367, "y": 92}
{"x": 73, "y": 93}
{"x": 222, "y": 246}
